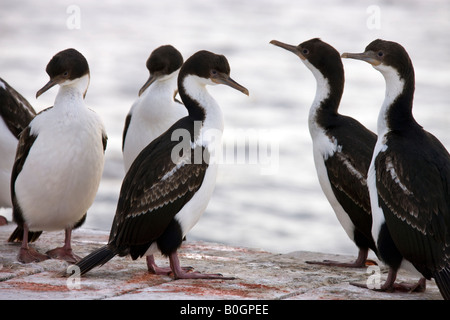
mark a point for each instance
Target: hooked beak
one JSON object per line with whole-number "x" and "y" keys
{"x": 288, "y": 47}
{"x": 147, "y": 84}
{"x": 368, "y": 56}
{"x": 222, "y": 78}
{"x": 49, "y": 85}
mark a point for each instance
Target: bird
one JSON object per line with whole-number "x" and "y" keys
{"x": 155, "y": 110}
{"x": 15, "y": 113}
{"x": 342, "y": 148}
{"x": 168, "y": 186}
{"x": 408, "y": 179}
{"x": 59, "y": 161}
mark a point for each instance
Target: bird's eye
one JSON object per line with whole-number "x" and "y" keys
{"x": 305, "y": 51}
{"x": 380, "y": 53}
{"x": 66, "y": 74}
{"x": 213, "y": 72}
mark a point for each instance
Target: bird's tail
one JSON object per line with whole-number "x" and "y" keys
{"x": 442, "y": 279}
{"x": 17, "y": 235}
{"x": 96, "y": 258}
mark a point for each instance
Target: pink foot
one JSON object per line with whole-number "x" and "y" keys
{"x": 420, "y": 286}
{"x": 3, "y": 221}
{"x": 179, "y": 273}
{"x": 360, "y": 262}
{"x": 162, "y": 271}
{"x": 28, "y": 255}
{"x": 391, "y": 286}
{"x": 63, "y": 254}
{"x": 198, "y": 275}
{"x": 355, "y": 264}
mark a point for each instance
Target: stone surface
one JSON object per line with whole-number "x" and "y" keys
{"x": 260, "y": 275}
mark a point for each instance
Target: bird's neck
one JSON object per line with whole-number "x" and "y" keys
{"x": 162, "y": 86}
{"x": 200, "y": 104}
{"x": 326, "y": 101}
{"x": 158, "y": 100}
{"x": 72, "y": 92}
{"x": 396, "y": 111}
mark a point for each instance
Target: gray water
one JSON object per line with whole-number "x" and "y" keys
{"x": 274, "y": 203}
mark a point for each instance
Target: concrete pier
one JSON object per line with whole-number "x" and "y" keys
{"x": 259, "y": 275}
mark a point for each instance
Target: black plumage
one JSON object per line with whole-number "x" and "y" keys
{"x": 34, "y": 209}
{"x": 411, "y": 177}
{"x": 148, "y": 202}
{"x": 166, "y": 175}
{"x": 15, "y": 110}
{"x": 15, "y": 115}
{"x": 343, "y": 147}
{"x": 347, "y": 172}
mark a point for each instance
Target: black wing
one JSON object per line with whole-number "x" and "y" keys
{"x": 26, "y": 140}
{"x": 347, "y": 171}
{"x": 413, "y": 182}
{"x": 15, "y": 110}
{"x": 154, "y": 190}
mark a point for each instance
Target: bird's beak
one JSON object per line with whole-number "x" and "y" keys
{"x": 288, "y": 47}
{"x": 49, "y": 85}
{"x": 147, "y": 84}
{"x": 368, "y": 56}
{"x": 222, "y": 78}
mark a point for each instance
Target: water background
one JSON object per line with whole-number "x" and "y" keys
{"x": 275, "y": 206}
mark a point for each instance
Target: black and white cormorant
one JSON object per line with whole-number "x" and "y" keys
{"x": 168, "y": 186}
{"x": 408, "y": 179}
{"x": 342, "y": 147}
{"x": 59, "y": 161}
{"x": 155, "y": 110}
{"x": 15, "y": 115}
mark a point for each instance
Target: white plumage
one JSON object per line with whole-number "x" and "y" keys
{"x": 59, "y": 161}
{"x": 163, "y": 195}
{"x": 394, "y": 86}
{"x": 152, "y": 114}
{"x": 324, "y": 147}
{"x": 156, "y": 109}
{"x": 61, "y": 175}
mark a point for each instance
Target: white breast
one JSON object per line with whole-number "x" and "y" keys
{"x": 210, "y": 137}
{"x": 62, "y": 172}
{"x": 194, "y": 209}
{"x": 394, "y": 87}
{"x": 377, "y": 212}
{"x": 152, "y": 114}
{"x": 322, "y": 149}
